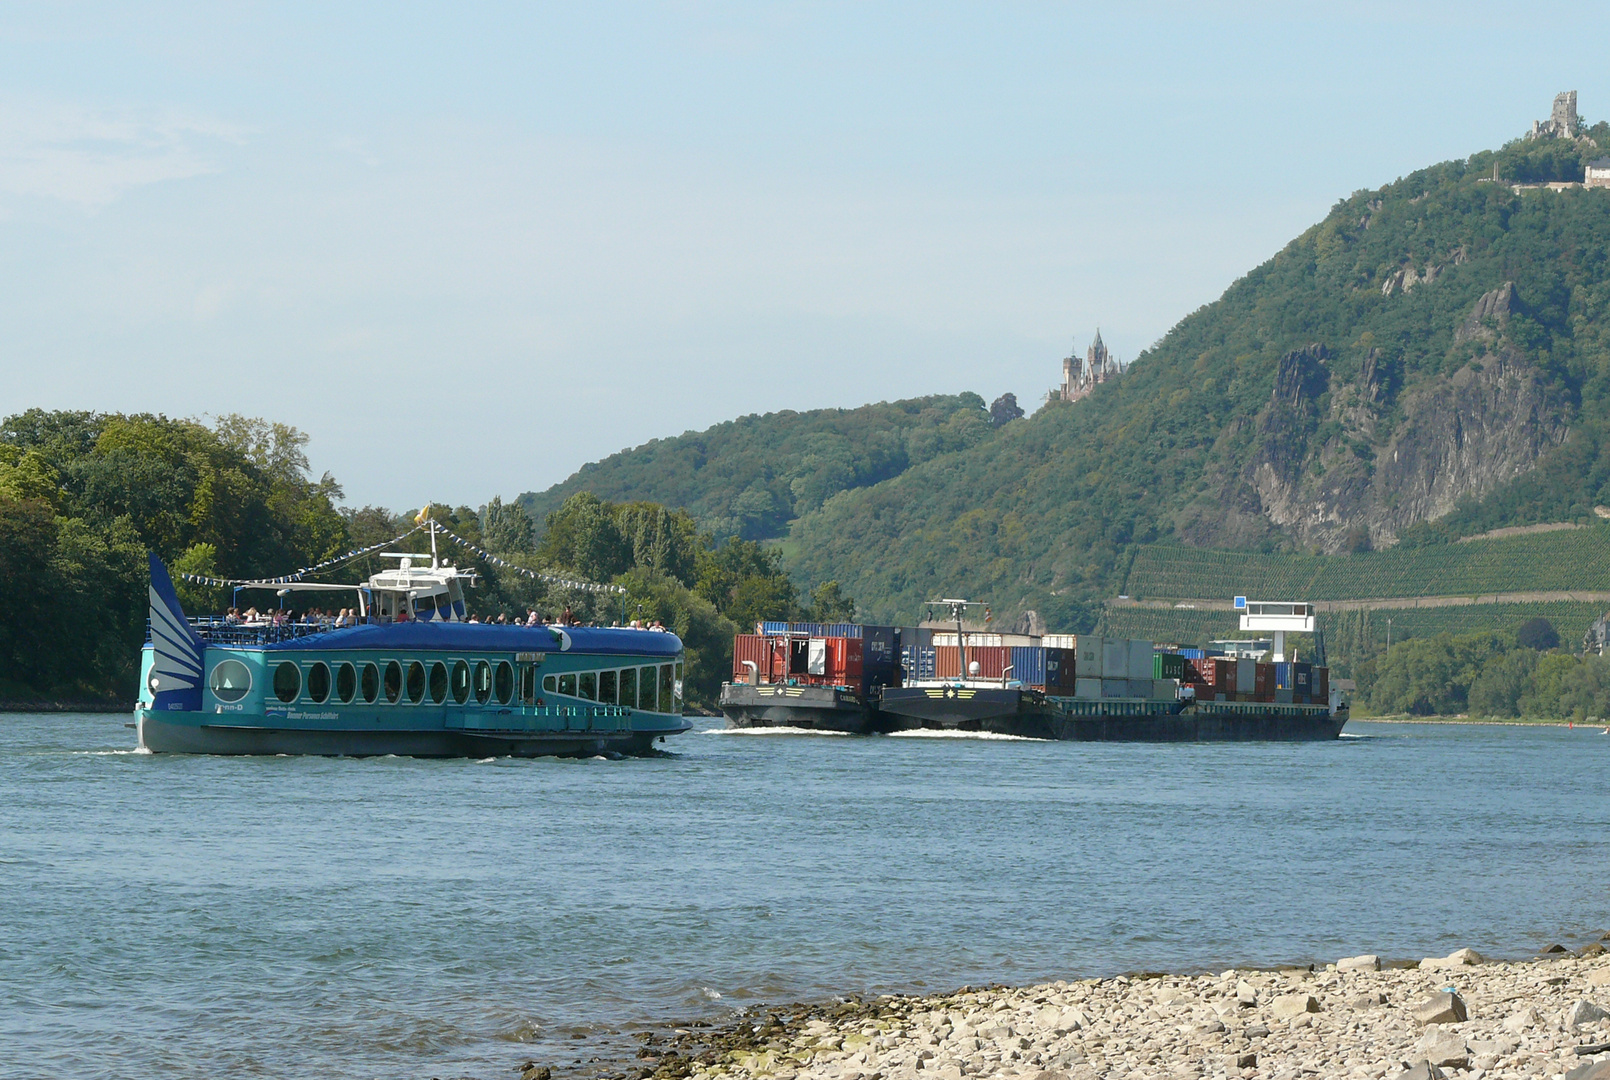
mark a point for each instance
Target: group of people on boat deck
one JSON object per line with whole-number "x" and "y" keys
{"x": 279, "y": 617}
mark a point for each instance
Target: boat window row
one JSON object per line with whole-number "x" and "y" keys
{"x": 652, "y": 688}
{"x": 388, "y": 681}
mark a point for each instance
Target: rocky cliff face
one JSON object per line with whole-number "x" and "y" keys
{"x": 1327, "y": 471}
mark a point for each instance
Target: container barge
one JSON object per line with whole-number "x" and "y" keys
{"x": 1070, "y": 687}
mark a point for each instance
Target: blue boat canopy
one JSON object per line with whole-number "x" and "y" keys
{"x": 490, "y": 637}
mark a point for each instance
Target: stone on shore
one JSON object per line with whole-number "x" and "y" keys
{"x": 1422, "y": 1071}
{"x": 1593, "y": 1070}
{"x": 1584, "y": 1012}
{"x": 1443, "y": 1048}
{"x": 1457, "y": 959}
{"x": 1600, "y": 977}
{"x": 1367, "y": 962}
{"x": 1444, "y": 1007}
{"x": 1289, "y": 1005}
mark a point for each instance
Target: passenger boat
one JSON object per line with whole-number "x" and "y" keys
{"x": 412, "y": 677}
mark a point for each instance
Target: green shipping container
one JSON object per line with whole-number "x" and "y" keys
{"x": 1168, "y": 666}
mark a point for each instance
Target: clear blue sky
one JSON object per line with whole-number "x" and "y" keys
{"x": 469, "y": 252}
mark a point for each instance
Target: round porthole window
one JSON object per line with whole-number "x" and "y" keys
{"x": 231, "y": 680}
{"x": 287, "y": 682}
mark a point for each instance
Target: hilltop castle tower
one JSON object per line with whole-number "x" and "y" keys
{"x": 1562, "y": 121}
{"x": 1079, "y": 377}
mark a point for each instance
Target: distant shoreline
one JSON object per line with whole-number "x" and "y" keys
{"x": 66, "y": 707}
{"x": 1483, "y": 721}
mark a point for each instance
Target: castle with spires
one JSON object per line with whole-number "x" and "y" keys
{"x": 1079, "y": 377}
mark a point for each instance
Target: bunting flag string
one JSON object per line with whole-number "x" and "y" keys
{"x": 535, "y": 575}
{"x": 288, "y": 579}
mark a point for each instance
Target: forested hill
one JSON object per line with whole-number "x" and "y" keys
{"x": 1430, "y": 360}
{"x": 752, "y": 476}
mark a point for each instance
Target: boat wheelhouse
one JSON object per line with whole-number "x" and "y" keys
{"x": 410, "y": 676}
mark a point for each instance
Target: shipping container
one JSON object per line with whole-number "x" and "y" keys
{"x": 1168, "y": 666}
{"x": 1246, "y": 676}
{"x": 1284, "y": 696}
{"x": 1087, "y": 688}
{"x": 1087, "y": 649}
{"x": 1165, "y": 689}
{"x": 914, "y": 635}
{"x": 919, "y": 663}
{"x": 1139, "y": 688}
{"x": 991, "y": 660}
{"x": 1060, "y": 641}
{"x": 773, "y": 628}
{"x": 1061, "y": 669}
{"x": 1192, "y": 654}
{"x": 1114, "y": 688}
{"x": 757, "y": 649}
{"x": 974, "y": 638}
{"x": 1216, "y": 671}
{"x": 1140, "y": 659}
{"x": 1322, "y": 685}
{"x": 1283, "y": 676}
{"x": 843, "y": 629}
{"x": 1028, "y": 664}
{"x": 1263, "y": 682}
{"x": 1115, "y": 658}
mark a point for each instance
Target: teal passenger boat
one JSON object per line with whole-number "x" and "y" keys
{"x": 412, "y": 677}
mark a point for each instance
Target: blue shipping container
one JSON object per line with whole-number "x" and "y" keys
{"x": 842, "y": 629}
{"x": 919, "y": 662}
{"x": 1192, "y": 654}
{"x": 776, "y": 629}
{"x": 1028, "y": 664}
{"x": 1282, "y": 676}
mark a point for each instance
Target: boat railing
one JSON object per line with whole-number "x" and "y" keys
{"x": 215, "y": 630}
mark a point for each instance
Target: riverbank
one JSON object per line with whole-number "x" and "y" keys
{"x": 1547, "y": 1018}
{"x": 1485, "y": 721}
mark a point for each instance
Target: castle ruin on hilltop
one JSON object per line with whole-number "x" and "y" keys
{"x": 1080, "y": 377}
{"x": 1562, "y": 122}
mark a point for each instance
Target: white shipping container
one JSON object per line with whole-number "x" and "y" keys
{"x": 1087, "y": 650}
{"x": 972, "y": 639}
{"x": 1115, "y": 658}
{"x": 1246, "y": 676}
{"x": 1114, "y": 688}
{"x": 1140, "y": 688}
{"x": 1140, "y": 659}
{"x": 1087, "y": 688}
{"x": 1061, "y": 641}
{"x": 1165, "y": 689}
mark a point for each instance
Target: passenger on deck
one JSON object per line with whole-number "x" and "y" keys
{"x": 568, "y": 618}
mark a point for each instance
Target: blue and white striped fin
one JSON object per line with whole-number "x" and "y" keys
{"x": 177, "y": 668}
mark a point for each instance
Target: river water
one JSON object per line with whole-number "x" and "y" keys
{"x": 309, "y": 917}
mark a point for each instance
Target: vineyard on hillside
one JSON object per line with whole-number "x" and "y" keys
{"x": 1576, "y": 559}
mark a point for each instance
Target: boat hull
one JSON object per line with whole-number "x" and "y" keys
{"x": 813, "y": 708}
{"x": 163, "y": 736}
{"x": 1028, "y": 714}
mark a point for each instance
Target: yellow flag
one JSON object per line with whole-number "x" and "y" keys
{"x": 424, "y": 512}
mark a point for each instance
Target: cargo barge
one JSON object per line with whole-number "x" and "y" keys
{"x": 814, "y": 676}
{"x": 1064, "y": 687}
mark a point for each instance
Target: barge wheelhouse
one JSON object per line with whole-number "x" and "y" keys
{"x": 410, "y": 678}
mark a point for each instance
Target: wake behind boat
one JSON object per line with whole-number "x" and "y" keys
{"x": 412, "y": 677}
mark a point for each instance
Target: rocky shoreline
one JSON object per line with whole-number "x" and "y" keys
{"x": 1457, "y": 1016}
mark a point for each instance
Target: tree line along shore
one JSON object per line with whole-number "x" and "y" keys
{"x": 1456, "y": 1016}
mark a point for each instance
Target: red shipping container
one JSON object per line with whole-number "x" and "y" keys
{"x": 1215, "y": 671}
{"x": 758, "y": 650}
{"x": 1263, "y": 682}
{"x": 844, "y": 660}
{"x": 992, "y": 660}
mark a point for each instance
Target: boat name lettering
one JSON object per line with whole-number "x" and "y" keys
{"x": 529, "y": 657}
{"x": 312, "y": 716}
